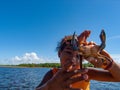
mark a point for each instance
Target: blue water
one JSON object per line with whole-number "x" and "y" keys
{"x": 29, "y": 78}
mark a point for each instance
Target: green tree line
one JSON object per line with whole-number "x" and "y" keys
{"x": 50, "y": 65}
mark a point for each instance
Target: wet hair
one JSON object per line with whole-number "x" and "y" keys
{"x": 63, "y": 43}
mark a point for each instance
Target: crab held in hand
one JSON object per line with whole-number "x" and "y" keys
{"x": 90, "y": 49}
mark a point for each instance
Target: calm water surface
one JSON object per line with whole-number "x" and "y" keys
{"x": 29, "y": 78}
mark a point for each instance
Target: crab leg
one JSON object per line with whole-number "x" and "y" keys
{"x": 103, "y": 40}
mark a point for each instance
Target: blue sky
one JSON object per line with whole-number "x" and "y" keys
{"x": 31, "y": 29}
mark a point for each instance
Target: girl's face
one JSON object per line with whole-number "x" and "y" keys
{"x": 68, "y": 55}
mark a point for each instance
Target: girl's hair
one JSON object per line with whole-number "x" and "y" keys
{"x": 63, "y": 43}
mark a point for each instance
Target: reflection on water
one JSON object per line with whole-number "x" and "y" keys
{"x": 20, "y": 78}
{"x": 29, "y": 78}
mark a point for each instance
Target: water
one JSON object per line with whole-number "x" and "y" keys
{"x": 29, "y": 78}
{"x": 20, "y": 78}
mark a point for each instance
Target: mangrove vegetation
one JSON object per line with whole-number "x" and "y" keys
{"x": 49, "y": 65}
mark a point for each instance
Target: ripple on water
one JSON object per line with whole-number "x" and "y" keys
{"x": 29, "y": 78}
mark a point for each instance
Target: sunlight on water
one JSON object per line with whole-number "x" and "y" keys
{"x": 29, "y": 78}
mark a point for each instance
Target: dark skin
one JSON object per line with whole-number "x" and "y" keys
{"x": 113, "y": 70}
{"x": 70, "y": 67}
{"x": 61, "y": 80}
{"x": 94, "y": 74}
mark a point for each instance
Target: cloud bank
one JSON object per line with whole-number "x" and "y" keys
{"x": 30, "y": 58}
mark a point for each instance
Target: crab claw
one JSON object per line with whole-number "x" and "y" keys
{"x": 103, "y": 40}
{"x": 83, "y": 36}
{"x": 74, "y": 42}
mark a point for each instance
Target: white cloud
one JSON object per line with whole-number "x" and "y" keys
{"x": 31, "y": 58}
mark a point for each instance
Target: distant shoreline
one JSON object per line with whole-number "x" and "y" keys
{"x": 41, "y": 65}
{"x": 5, "y": 66}
{"x": 21, "y": 67}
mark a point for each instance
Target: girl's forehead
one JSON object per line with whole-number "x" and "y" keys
{"x": 66, "y": 39}
{"x": 68, "y": 49}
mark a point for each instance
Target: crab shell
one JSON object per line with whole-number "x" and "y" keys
{"x": 87, "y": 49}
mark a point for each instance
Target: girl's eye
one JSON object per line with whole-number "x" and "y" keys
{"x": 77, "y": 56}
{"x": 68, "y": 52}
